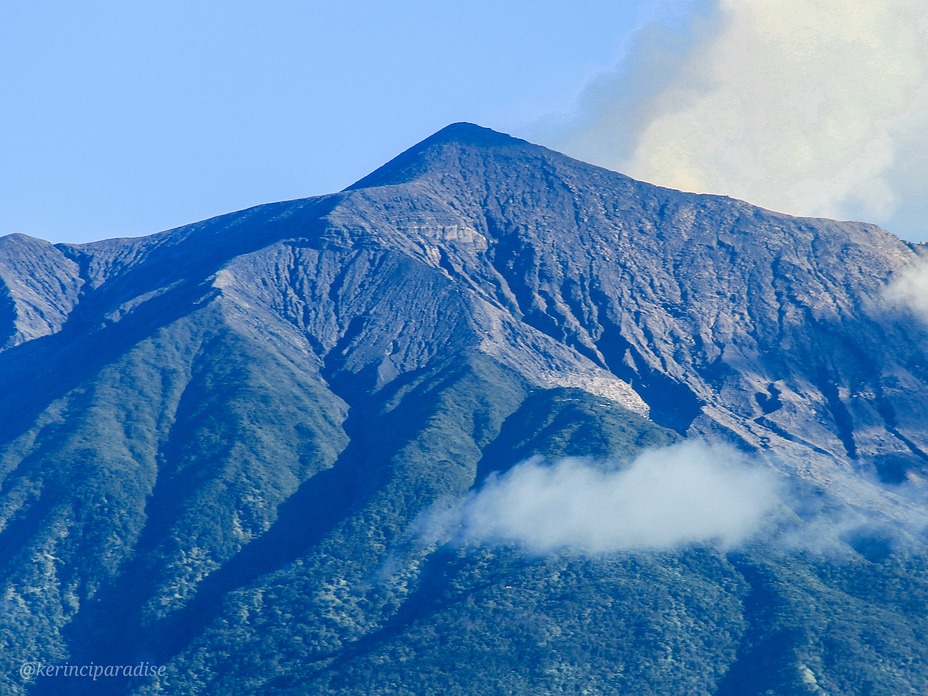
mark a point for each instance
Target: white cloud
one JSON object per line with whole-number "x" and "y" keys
{"x": 910, "y": 289}
{"x": 691, "y": 493}
{"x": 812, "y": 107}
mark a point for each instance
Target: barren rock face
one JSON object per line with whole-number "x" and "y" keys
{"x": 719, "y": 313}
{"x": 216, "y": 440}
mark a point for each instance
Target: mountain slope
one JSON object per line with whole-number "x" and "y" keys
{"x": 216, "y": 442}
{"x": 737, "y": 306}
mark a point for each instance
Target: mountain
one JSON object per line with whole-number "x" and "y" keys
{"x": 218, "y": 444}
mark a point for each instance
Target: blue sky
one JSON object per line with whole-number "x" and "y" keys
{"x": 122, "y": 119}
{"x": 125, "y": 118}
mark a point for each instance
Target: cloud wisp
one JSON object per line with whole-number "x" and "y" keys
{"x": 808, "y": 107}
{"x": 691, "y": 493}
{"x": 909, "y": 289}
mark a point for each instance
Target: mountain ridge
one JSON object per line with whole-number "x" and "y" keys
{"x": 431, "y": 232}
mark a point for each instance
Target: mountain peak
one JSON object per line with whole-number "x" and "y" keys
{"x": 416, "y": 159}
{"x": 471, "y": 134}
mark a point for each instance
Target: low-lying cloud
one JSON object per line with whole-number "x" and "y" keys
{"x": 691, "y": 493}
{"x": 811, "y": 107}
{"x": 910, "y": 289}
